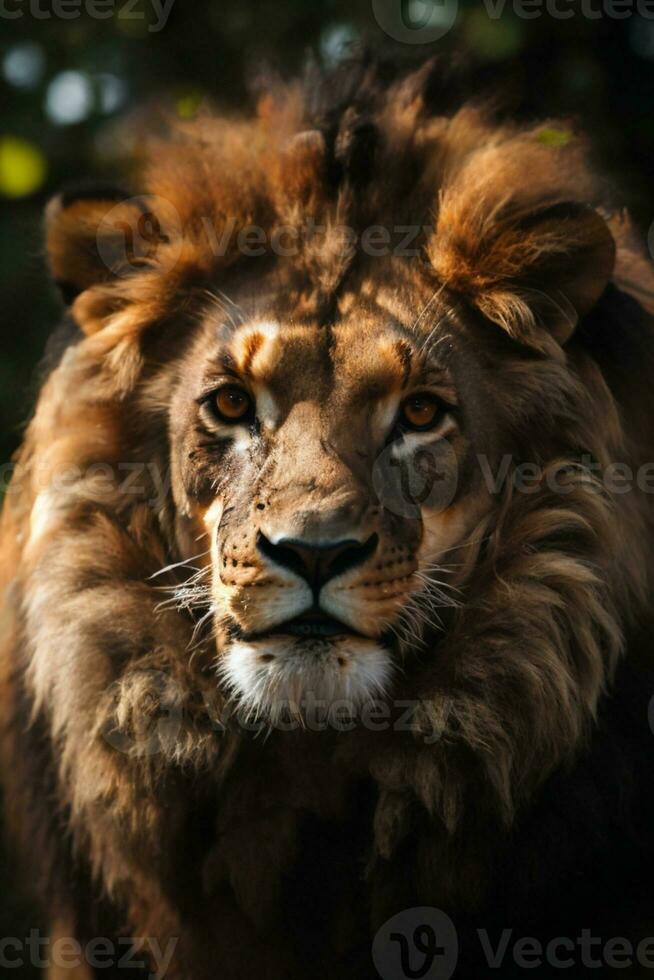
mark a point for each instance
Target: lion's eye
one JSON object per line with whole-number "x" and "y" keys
{"x": 231, "y": 403}
{"x": 420, "y": 412}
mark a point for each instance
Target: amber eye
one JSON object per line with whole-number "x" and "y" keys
{"x": 420, "y": 412}
{"x": 231, "y": 403}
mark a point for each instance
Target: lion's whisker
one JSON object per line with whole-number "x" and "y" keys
{"x": 179, "y": 564}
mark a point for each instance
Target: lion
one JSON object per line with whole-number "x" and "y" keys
{"x": 327, "y": 556}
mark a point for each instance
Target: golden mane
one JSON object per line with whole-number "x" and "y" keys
{"x": 510, "y": 225}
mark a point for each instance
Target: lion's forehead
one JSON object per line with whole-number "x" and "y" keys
{"x": 366, "y": 355}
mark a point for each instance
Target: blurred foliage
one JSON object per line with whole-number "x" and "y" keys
{"x": 67, "y": 84}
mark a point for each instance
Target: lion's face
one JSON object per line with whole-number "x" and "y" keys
{"x": 327, "y": 466}
{"x": 331, "y": 421}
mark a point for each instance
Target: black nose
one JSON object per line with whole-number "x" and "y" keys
{"x": 317, "y": 563}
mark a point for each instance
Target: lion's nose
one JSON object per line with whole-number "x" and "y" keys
{"x": 317, "y": 563}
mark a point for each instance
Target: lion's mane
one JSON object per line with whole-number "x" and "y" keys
{"x": 199, "y": 834}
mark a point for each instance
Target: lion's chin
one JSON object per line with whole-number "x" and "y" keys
{"x": 283, "y": 676}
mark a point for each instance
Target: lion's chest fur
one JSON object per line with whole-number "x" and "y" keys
{"x": 279, "y": 851}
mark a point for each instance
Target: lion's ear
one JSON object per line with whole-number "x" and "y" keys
{"x": 533, "y": 268}
{"x": 95, "y": 234}
{"x": 558, "y": 262}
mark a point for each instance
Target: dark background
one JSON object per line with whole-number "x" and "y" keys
{"x": 57, "y": 127}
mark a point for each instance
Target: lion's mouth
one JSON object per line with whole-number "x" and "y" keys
{"x": 314, "y": 624}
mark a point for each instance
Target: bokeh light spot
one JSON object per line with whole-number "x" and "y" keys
{"x": 24, "y": 65}
{"x": 554, "y": 137}
{"x": 493, "y": 39}
{"x": 23, "y": 167}
{"x": 335, "y": 42}
{"x": 69, "y": 98}
{"x": 112, "y": 92}
{"x": 187, "y": 105}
